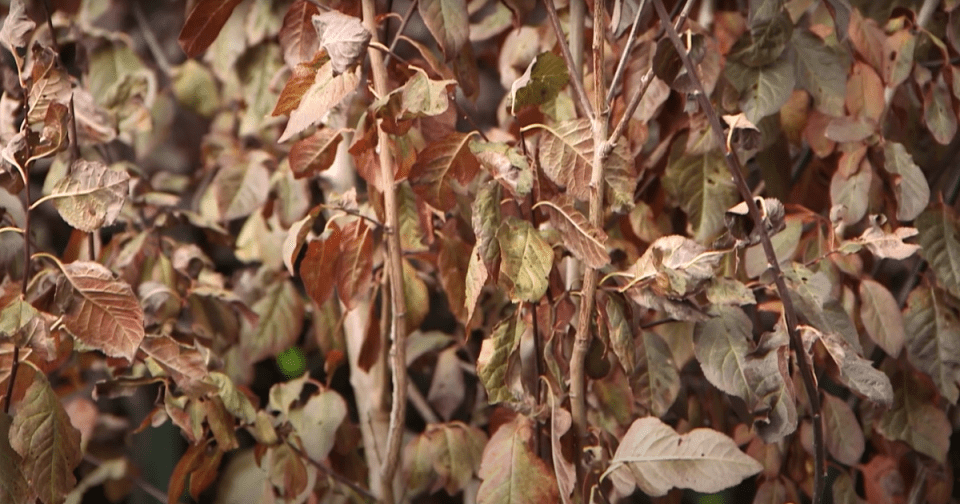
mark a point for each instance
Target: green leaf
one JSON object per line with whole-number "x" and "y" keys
{"x": 612, "y": 311}
{"x": 763, "y": 90}
{"x": 91, "y": 195}
{"x": 511, "y": 472}
{"x": 47, "y": 442}
{"x": 916, "y": 419}
{"x": 14, "y": 488}
{"x": 526, "y": 260}
{"x": 281, "y": 318}
{"x": 541, "y": 82}
{"x": 499, "y": 360}
{"x": 933, "y": 339}
{"x": 235, "y": 401}
{"x": 844, "y": 437}
{"x": 441, "y": 162}
{"x": 447, "y": 20}
{"x": 881, "y": 317}
{"x": 653, "y": 457}
{"x": 822, "y": 71}
{"x": 939, "y": 240}
{"x": 910, "y": 185}
{"x": 703, "y": 187}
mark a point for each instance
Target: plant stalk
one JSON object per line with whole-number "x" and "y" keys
{"x": 398, "y": 323}
{"x": 736, "y": 170}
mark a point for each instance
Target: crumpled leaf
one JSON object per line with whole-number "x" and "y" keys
{"x": 677, "y": 266}
{"x": 933, "y": 339}
{"x": 100, "y": 311}
{"x": 511, "y": 472}
{"x": 46, "y": 440}
{"x": 185, "y": 365}
{"x": 16, "y": 31}
{"x": 91, "y": 195}
{"x": 344, "y": 38}
{"x": 882, "y": 244}
{"x": 526, "y": 259}
{"x": 444, "y": 456}
{"x": 653, "y": 457}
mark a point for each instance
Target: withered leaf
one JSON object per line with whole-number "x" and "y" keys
{"x": 583, "y": 239}
{"x": 440, "y": 163}
{"x": 343, "y": 37}
{"x": 100, "y": 311}
{"x": 315, "y": 153}
{"x": 185, "y": 365}
{"x": 326, "y": 91}
{"x": 318, "y": 270}
{"x": 355, "y": 271}
{"x": 298, "y": 37}
{"x": 448, "y": 22}
{"x": 91, "y": 195}
{"x": 203, "y": 24}
{"x": 16, "y": 31}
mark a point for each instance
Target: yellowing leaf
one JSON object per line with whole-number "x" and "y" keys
{"x": 91, "y": 195}
{"x": 439, "y": 163}
{"x": 301, "y": 78}
{"x": 443, "y": 456}
{"x": 447, "y": 21}
{"x": 326, "y": 91}
{"x": 582, "y": 239}
{"x": 653, "y": 457}
{"x": 46, "y": 440}
{"x": 100, "y": 311}
{"x": 499, "y": 360}
{"x": 526, "y": 260}
{"x": 511, "y": 472}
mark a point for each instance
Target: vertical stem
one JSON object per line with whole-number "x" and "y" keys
{"x": 394, "y": 267}
{"x": 578, "y": 14}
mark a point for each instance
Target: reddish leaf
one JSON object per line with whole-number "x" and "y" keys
{"x": 204, "y": 24}
{"x": 303, "y": 76}
{"x": 297, "y": 35}
{"x": 185, "y": 365}
{"x": 320, "y": 264}
{"x": 100, "y": 311}
{"x": 190, "y": 460}
{"x": 315, "y": 153}
{"x": 355, "y": 270}
{"x": 438, "y": 164}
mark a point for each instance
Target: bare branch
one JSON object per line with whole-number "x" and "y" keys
{"x": 575, "y": 78}
{"x": 625, "y": 54}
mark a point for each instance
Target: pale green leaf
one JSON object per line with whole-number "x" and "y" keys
{"x": 910, "y": 185}
{"x": 526, "y": 259}
{"x": 540, "y": 83}
{"x": 703, "y": 189}
{"x": 423, "y": 97}
{"x": 933, "y": 340}
{"x": 938, "y": 113}
{"x": 763, "y": 90}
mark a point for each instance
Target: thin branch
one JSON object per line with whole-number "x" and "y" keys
{"x": 13, "y": 374}
{"x": 575, "y": 78}
{"x": 403, "y": 25}
{"x": 625, "y": 54}
{"x": 328, "y": 471}
{"x": 578, "y": 14}
{"x": 144, "y": 485}
{"x": 53, "y": 35}
{"x": 463, "y": 113}
{"x": 735, "y": 168}
{"x": 148, "y": 36}
{"x": 394, "y": 267}
{"x": 421, "y": 404}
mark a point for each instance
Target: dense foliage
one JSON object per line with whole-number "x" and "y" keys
{"x": 496, "y": 251}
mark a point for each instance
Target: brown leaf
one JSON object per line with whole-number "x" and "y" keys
{"x": 510, "y": 471}
{"x": 316, "y": 153}
{"x": 50, "y": 83}
{"x": 320, "y": 265}
{"x": 448, "y": 22}
{"x": 203, "y": 24}
{"x": 17, "y": 30}
{"x": 189, "y": 462}
{"x": 438, "y": 164}
{"x": 355, "y": 270}
{"x": 343, "y": 37}
{"x": 326, "y": 92}
{"x": 185, "y": 365}
{"x": 297, "y": 35}
{"x": 49, "y": 444}
{"x": 302, "y": 77}
{"x": 91, "y": 195}
{"x": 582, "y": 239}
{"x": 100, "y": 311}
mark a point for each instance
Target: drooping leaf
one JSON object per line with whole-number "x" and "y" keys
{"x": 811, "y": 295}
{"x": 822, "y": 71}
{"x": 51, "y": 83}
{"x": 280, "y": 311}
{"x": 938, "y": 113}
{"x": 763, "y": 90}
{"x": 844, "y": 437}
{"x": 658, "y": 381}
{"x": 47, "y": 442}
{"x": 234, "y": 400}
{"x": 302, "y": 77}
{"x": 100, "y": 311}
{"x": 298, "y": 37}
{"x": 703, "y": 189}
{"x": 203, "y": 24}
{"x": 582, "y": 239}
{"x": 653, "y": 457}
{"x": 444, "y": 456}
{"x": 511, "y": 472}
{"x": 939, "y": 240}
{"x": 447, "y": 385}
{"x": 13, "y": 483}
{"x": 316, "y": 153}
{"x": 316, "y": 423}
{"x": 422, "y": 96}
{"x": 916, "y": 419}
{"x": 499, "y": 359}
{"x": 343, "y": 37}
{"x": 540, "y": 83}
{"x": 91, "y": 195}
{"x": 354, "y": 274}
{"x": 241, "y": 185}
{"x": 440, "y": 163}
{"x": 526, "y": 259}
{"x": 677, "y": 266}
{"x": 850, "y": 368}
{"x": 881, "y": 317}
{"x": 448, "y": 22}
{"x": 185, "y": 365}
{"x": 326, "y": 91}
{"x": 933, "y": 339}
{"x": 910, "y": 185}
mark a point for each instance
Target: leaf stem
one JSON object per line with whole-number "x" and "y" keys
{"x": 575, "y": 74}
{"x": 403, "y": 25}
{"x": 394, "y": 265}
{"x": 327, "y": 471}
{"x": 625, "y": 54}
{"x": 736, "y": 170}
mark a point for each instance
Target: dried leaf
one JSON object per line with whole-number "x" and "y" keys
{"x": 933, "y": 339}
{"x": 852, "y": 192}
{"x": 582, "y": 239}
{"x": 475, "y": 280}
{"x": 511, "y": 472}
{"x": 443, "y": 456}
{"x": 447, "y": 385}
{"x": 844, "y": 437}
{"x": 100, "y": 311}
{"x": 882, "y": 244}
{"x": 319, "y": 267}
{"x": 506, "y": 165}
{"x": 91, "y": 195}
{"x": 51, "y": 83}
{"x": 851, "y": 369}
{"x": 203, "y": 24}
{"x": 17, "y": 30}
{"x": 298, "y": 37}
{"x": 448, "y": 23}
{"x": 612, "y": 312}
{"x": 354, "y": 272}
{"x": 499, "y": 360}
{"x": 526, "y": 260}
{"x": 910, "y": 185}
{"x": 301, "y": 79}
{"x": 881, "y": 317}
{"x": 343, "y": 37}
{"x": 317, "y": 422}
{"x": 939, "y": 239}
{"x": 46, "y": 440}
{"x": 566, "y": 156}
{"x": 440, "y": 163}
{"x": 316, "y": 153}
{"x": 326, "y": 92}
{"x": 540, "y": 83}
{"x": 653, "y": 457}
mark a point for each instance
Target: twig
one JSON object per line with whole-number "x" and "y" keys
{"x": 403, "y": 25}
{"x": 421, "y": 404}
{"x": 144, "y": 485}
{"x": 735, "y": 168}
{"x": 463, "y": 113}
{"x": 575, "y": 75}
{"x": 328, "y": 471}
{"x": 155, "y": 50}
{"x": 394, "y": 265}
{"x": 624, "y": 55}
{"x": 53, "y": 34}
